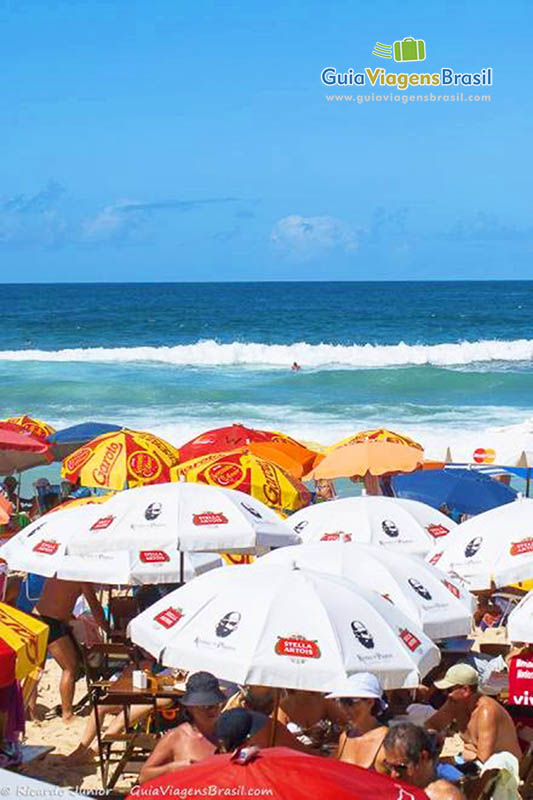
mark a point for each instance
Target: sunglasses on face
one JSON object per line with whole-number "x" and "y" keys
{"x": 400, "y": 769}
{"x": 349, "y": 701}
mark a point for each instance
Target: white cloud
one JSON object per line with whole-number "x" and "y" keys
{"x": 112, "y": 223}
{"x": 307, "y": 236}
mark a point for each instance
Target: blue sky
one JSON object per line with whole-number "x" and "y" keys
{"x": 172, "y": 141}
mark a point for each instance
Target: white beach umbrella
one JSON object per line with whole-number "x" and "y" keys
{"x": 392, "y": 522}
{"x": 495, "y": 547}
{"x": 520, "y": 621}
{"x": 141, "y": 535}
{"x": 284, "y": 627}
{"x": 440, "y": 607}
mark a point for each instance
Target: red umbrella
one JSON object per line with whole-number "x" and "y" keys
{"x": 19, "y": 451}
{"x": 236, "y": 436}
{"x": 285, "y": 775}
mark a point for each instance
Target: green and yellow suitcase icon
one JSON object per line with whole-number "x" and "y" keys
{"x": 410, "y": 49}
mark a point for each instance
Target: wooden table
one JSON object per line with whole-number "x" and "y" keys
{"x": 121, "y": 692}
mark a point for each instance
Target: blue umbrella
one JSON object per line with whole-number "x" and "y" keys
{"x": 464, "y": 491}
{"x": 65, "y": 441}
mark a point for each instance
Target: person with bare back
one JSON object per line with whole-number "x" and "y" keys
{"x": 55, "y": 607}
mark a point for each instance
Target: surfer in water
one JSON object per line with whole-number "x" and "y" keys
{"x": 295, "y": 367}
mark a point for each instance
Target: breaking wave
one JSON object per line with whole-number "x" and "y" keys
{"x": 209, "y": 353}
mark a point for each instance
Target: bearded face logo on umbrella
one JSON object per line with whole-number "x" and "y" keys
{"x": 362, "y": 634}
{"x": 473, "y": 546}
{"x": 419, "y": 588}
{"x": 227, "y": 624}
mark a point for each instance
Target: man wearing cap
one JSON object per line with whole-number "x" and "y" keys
{"x": 194, "y": 739}
{"x": 483, "y": 723}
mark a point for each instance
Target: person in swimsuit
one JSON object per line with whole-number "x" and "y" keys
{"x": 311, "y": 717}
{"x": 55, "y": 607}
{"x": 193, "y": 740}
{"x": 360, "y": 698}
{"x": 484, "y": 724}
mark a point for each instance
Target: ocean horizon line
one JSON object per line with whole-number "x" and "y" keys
{"x": 411, "y": 281}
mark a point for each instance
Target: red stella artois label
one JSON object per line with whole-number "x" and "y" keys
{"x": 521, "y": 547}
{"x": 102, "y": 523}
{"x": 297, "y": 646}
{"x": 451, "y": 588}
{"x": 410, "y": 639}
{"x": 48, "y": 548}
{"x": 336, "y": 537}
{"x": 153, "y": 556}
{"x": 434, "y": 559}
{"x": 169, "y": 617}
{"x": 437, "y": 530}
{"x": 209, "y": 518}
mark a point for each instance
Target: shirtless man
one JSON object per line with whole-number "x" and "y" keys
{"x": 484, "y": 725}
{"x": 55, "y": 607}
{"x": 194, "y": 739}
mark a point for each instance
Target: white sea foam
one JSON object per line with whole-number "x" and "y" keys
{"x": 209, "y": 353}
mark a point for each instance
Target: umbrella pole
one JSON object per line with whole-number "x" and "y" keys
{"x": 528, "y": 481}
{"x": 274, "y": 718}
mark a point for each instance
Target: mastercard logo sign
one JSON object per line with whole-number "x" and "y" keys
{"x": 484, "y": 455}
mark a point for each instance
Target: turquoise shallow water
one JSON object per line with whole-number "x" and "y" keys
{"x": 445, "y": 361}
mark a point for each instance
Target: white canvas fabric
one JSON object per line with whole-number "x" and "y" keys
{"x": 277, "y": 626}
{"x": 430, "y": 599}
{"x": 392, "y": 523}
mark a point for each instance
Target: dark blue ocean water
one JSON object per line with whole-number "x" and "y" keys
{"x": 447, "y": 362}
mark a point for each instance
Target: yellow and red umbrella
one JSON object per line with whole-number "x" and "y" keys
{"x": 23, "y": 641}
{"x": 37, "y": 428}
{"x": 242, "y": 470}
{"x": 121, "y": 460}
{"x": 374, "y": 452}
{"x": 271, "y": 445}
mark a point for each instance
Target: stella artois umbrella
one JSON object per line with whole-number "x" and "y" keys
{"x": 279, "y": 773}
{"x": 396, "y": 524}
{"x": 241, "y": 470}
{"x": 520, "y": 621}
{"x": 432, "y": 601}
{"x": 375, "y": 452}
{"x": 282, "y": 627}
{"x": 35, "y": 427}
{"x": 493, "y": 549}
{"x": 23, "y": 641}
{"x": 274, "y": 446}
{"x": 141, "y": 535}
{"x": 121, "y": 460}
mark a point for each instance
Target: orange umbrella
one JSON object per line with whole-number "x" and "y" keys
{"x": 275, "y": 446}
{"x": 37, "y": 428}
{"x": 296, "y": 460}
{"x": 375, "y": 452}
{"x": 6, "y": 509}
{"x": 121, "y": 460}
{"x": 242, "y": 470}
